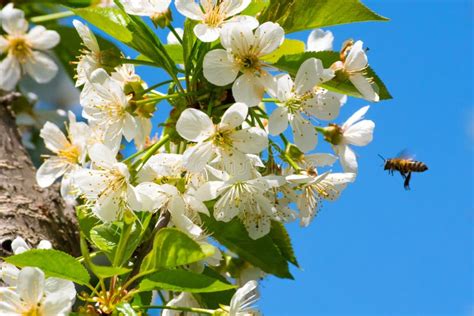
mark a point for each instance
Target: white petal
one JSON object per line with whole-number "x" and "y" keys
{"x": 19, "y": 245}
{"x": 13, "y": 21}
{"x": 310, "y": 74}
{"x": 325, "y": 105}
{"x": 107, "y": 207}
{"x": 320, "y": 40}
{"x": 360, "y": 134}
{"x": 234, "y": 116}
{"x": 172, "y": 39}
{"x": 356, "y": 59}
{"x": 90, "y": 182}
{"x": 196, "y": 157}
{"x": 50, "y": 170}
{"x": 87, "y": 36}
{"x": 364, "y": 86}
{"x": 246, "y": 20}
{"x": 238, "y": 38}
{"x": 9, "y": 275}
{"x": 130, "y": 127}
{"x": 44, "y": 244}
{"x": 243, "y": 298}
{"x": 56, "y": 305}
{"x": 237, "y": 6}
{"x": 248, "y": 89}
{"x": 196, "y": 205}
{"x": 53, "y": 137}
{"x": 347, "y": 157}
{"x": 219, "y": 68}
{"x": 11, "y": 73}
{"x": 269, "y": 37}
{"x": 30, "y": 285}
{"x": 284, "y": 88}
{"x": 278, "y": 121}
{"x": 304, "y": 133}
{"x": 41, "y": 67}
{"x": 190, "y": 9}
{"x": 251, "y": 140}
{"x": 10, "y": 302}
{"x": 102, "y": 156}
{"x": 42, "y": 39}
{"x": 209, "y": 190}
{"x": 60, "y": 286}
{"x": 194, "y": 125}
{"x": 151, "y": 196}
{"x": 206, "y": 33}
{"x": 357, "y": 116}
{"x": 320, "y": 160}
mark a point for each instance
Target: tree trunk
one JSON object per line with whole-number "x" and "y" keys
{"x": 27, "y": 210}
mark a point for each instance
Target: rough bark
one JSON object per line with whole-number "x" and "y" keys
{"x": 27, "y": 210}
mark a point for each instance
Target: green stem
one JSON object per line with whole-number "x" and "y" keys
{"x": 320, "y": 129}
{"x": 138, "y": 62}
{"x": 159, "y": 84}
{"x": 52, "y": 16}
{"x": 118, "y": 257}
{"x": 177, "y": 308}
{"x": 150, "y": 152}
{"x": 156, "y": 99}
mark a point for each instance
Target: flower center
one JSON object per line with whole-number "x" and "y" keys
{"x": 214, "y": 13}
{"x": 249, "y": 62}
{"x": 33, "y": 311}
{"x": 70, "y": 154}
{"x": 20, "y": 48}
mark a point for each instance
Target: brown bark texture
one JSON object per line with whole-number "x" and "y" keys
{"x": 26, "y": 210}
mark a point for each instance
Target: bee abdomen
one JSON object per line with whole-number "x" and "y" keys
{"x": 418, "y": 166}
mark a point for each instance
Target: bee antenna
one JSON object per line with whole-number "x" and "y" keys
{"x": 382, "y": 157}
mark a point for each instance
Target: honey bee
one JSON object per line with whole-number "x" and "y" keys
{"x": 404, "y": 164}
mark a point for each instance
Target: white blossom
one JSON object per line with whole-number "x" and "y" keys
{"x": 320, "y": 40}
{"x": 244, "y": 299}
{"x": 354, "y": 66}
{"x": 25, "y": 52}
{"x": 172, "y": 39}
{"x": 106, "y": 105}
{"x": 214, "y": 15}
{"x": 223, "y": 139}
{"x": 70, "y": 153}
{"x": 303, "y": 97}
{"x": 354, "y": 131}
{"x": 36, "y": 295}
{"x": 106, "y": 187}
{"x": 184, "y": 299}
{"x": 242, "y": 53}
{"x": 245, "y": 199}
{"x": 89, "y": 60}
{"x": 151, "y": 8}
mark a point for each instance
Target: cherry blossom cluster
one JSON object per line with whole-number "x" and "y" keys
{"x": 234, "y": 165}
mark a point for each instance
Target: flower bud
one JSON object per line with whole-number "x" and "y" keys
{"x": 162, "y": 19}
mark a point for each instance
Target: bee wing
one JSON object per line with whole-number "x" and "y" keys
{"x": 406, "y": 154}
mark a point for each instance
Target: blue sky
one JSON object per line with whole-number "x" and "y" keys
{"x": 381, "y": 250}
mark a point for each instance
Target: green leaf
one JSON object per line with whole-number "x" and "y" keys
{"x": 183, "y": 281}
{"x": 108, "y": 271}
{"x": 87, "y": 220}
{"x": 54, "y": 263}
{"x": 298, "y": 15}
{"x": 255, "y": 7}
{"x": 131, "y": 30}
{"x": 106, "y": 238}
{"x": 215, "y": 299}
{"x": 262, "y": 253}
{"x": 291, "y": 64}
{"x": 282, "y": 240}
{"x": 289, "y": 47}
{"x": 176, "y": 52}
{"x": 172, "y": 248}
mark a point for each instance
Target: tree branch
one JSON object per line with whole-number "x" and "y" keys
{"x": 27, "y": 210}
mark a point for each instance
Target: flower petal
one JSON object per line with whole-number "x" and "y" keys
{"x": 278, "y": 121}
{"x": 11, "y": 73}
{"x": 194, "y": 125}
{"x": 360, "y": 134}
{"x": 219, "y": 68}
{"x": 50, "y": 170}
{"x": 357, "y": 116}
{"x": 248, "y": 89}
{"x": 196, "y": 157}
{"x": 234, "y": 116}
{"x": 304, "y": 133}
{"x": 102, "y": 156}
{"x": 320, "y": 40}
{"x": 356, "y": 59}
{"x": 269, "y": 36}
{"x": 347, "y": 157}
{"x": 43, "y": 39}
{"x": 53, "y": 137}
{"x": 310, "y": 74}
{"x": 236, "y": 6}
{"x": 30, "y": 285}
{"x": 251, "y": 140}
{"x": 364, "y": 86}
{"x": 87, "y": 36}
{"x": 207, "y": 33}
{"x": 41, "y": 67}
{"x": 190, "y": 9}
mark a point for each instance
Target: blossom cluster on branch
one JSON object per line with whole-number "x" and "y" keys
{"x": 222, "y": 160}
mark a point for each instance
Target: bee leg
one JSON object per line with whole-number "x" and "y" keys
{"x": 407, "y": 181}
